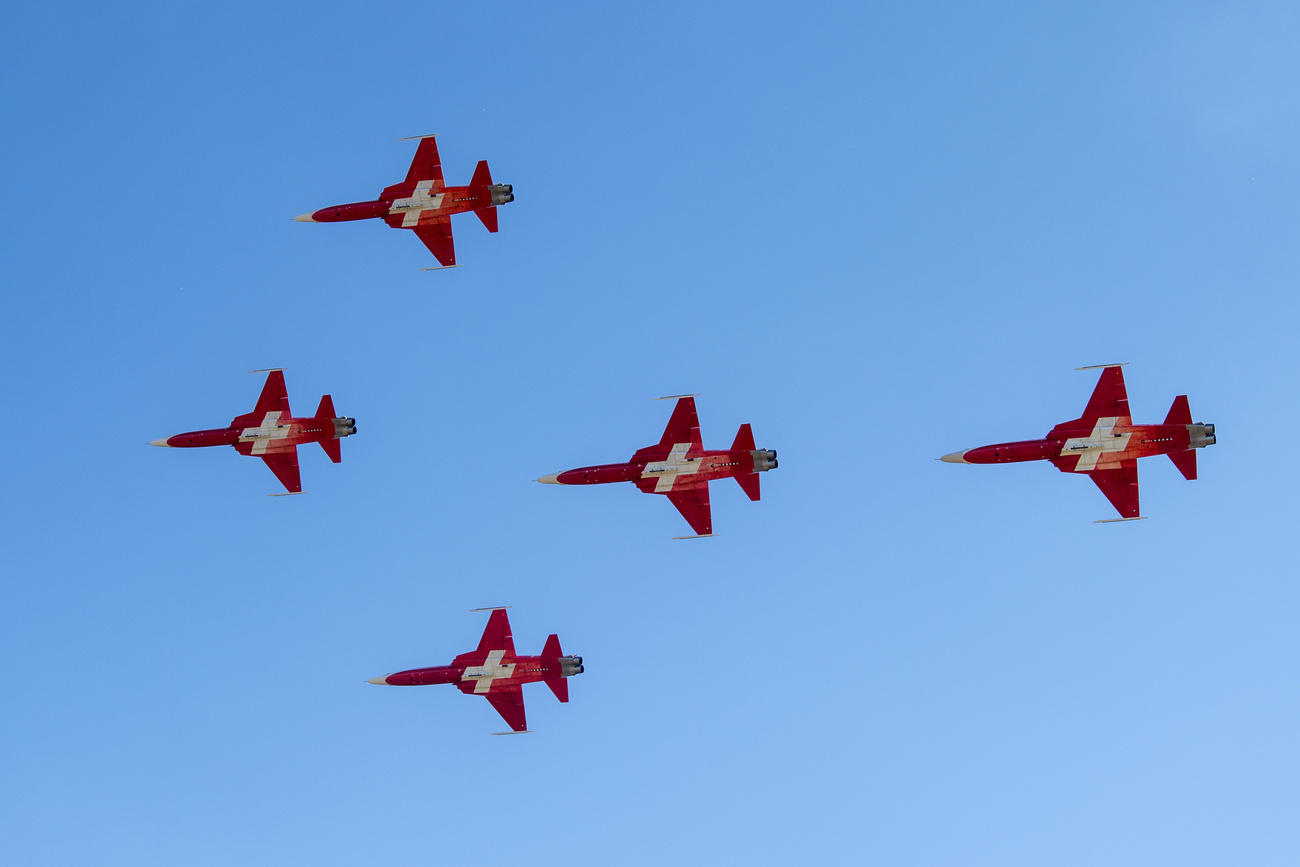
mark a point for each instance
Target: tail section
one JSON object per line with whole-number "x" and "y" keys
{"x": 744, "y": 440}
{"x": 482, "y": 175}
{"x": 342, "y": 427}
{"x": 488, "y": 216}
{"x": 763, "y": 460}
{"x": 551, "y": 657}
{"x": 1180, "y": 412}
{"x": 1186, "y": 463}
{"x": 749, "y": 484}
{"x": 333, "y": 448}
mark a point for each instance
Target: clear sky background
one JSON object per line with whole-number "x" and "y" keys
{"x": 877, "y": 232}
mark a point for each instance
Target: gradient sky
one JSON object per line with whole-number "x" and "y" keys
{"x": 877, "y": 232}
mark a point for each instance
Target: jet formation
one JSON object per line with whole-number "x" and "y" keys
{"x": 425, "y": 204}
{"x": 680, "y": 468}
{"x": 270, "y": 432}
{"x": 493, "y": 671}
{"x": 1105, "y": 445}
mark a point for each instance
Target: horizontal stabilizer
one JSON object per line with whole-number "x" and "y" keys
{"x": 482, "y": 175}
{"x": 1186, "y": 463}
{"x": 1179, "y": 413}
{"x": 551, "y": 654}
{"x": 749, "y": 484}
{"x": 744, "y": 440}
{"x": 333, "y": 448}
{"x": 559, "y": 686}
{"x": 489, "y": 217}
{"x": 326, "y": 407}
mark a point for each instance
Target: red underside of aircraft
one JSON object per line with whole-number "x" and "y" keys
{"x": 271, "y": 433}
{"x": 680, "y": 468}
{"x": 493, "y": 671}
{"x": 425, "y": 204}
{"x": 1105, "y": 445}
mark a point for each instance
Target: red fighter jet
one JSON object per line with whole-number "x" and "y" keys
{"x": 424, "y": 203}
{"x": 680, "y": 468}
{"x": 1105, "y": 444}
{"x": 493, "y": 671}
{"x": 271, "y": 433}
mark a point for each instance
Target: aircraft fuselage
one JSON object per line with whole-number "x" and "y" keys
{"x": 677, "y": 469}
{"x": 270, "y": 431}
{"x": 408, "y": 208}
{"x": 1104, "y": 446}
{"x": 497, "y": 671}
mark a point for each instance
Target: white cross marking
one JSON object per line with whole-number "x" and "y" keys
{"x": 667, "y": 470}
{"x": 417, "y": 203}
{"x": 490, "y": 670}
{"x": 261, "y": 436}
{"x": 1091, "y": 448}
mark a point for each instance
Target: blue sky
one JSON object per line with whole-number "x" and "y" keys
{"x": 876, "y": 233}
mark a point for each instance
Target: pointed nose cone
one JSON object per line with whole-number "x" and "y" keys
{"x": 379, "y": 681}
{"x": 552, "y": 479}
{"x": 306, "y": 218}
{"x": 162, "y": 443}
{"x": 955, "y": 457}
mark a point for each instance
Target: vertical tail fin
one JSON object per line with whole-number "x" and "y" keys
{"x": 551, "y": 654}
{"x": 1180, "y": 412}
{"x": 482, "y": 175}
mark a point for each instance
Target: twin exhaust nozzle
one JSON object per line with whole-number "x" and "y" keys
{"x": 1200, "y": 435}
{"x": 502, "y": 193}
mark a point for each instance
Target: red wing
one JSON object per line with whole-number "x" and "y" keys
{"x": 274, "y": 397}
{"x": 427, "y": 165}
{"x": 684, "y": 426}
{"x": 497, "y": 635}
{"x": 509, "y": 702}
{"x": 1120, "y": 487}
{"x": 1109, "y": 400}
{"x": 285, "y": 466}
{"x": 693, "y": 503}
{"x": 436, "y": 235}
